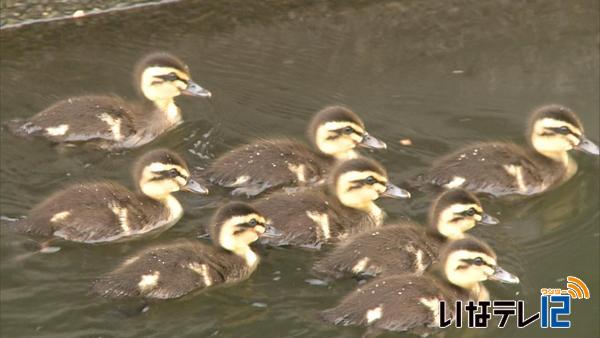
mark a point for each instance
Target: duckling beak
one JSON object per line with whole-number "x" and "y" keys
{"x": 395, "y": 191}
{"x": 587, "y": 146}
{"x": 271, "y": 232}
{"x": 371, "y": 142}
{"x": 194, "y": 89}
{"x": 488, "y": 219}
{"x": 195, "y": 187}
{"x": 504, "y": 276}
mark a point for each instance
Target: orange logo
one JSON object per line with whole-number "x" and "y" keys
{"x": 576, "y": 288}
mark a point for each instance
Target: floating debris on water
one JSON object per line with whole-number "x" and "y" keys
{"x": 316, "y": 282}
{"x": 78, "y": 13}
{"x": 258, "y": 304}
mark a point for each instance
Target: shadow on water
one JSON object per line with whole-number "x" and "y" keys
{"x": 442, "y": 74}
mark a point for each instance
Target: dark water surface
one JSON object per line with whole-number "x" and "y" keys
{"x": 442, "y": 73}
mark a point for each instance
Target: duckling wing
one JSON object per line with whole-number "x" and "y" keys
{"x": 82, "y": 119}
{"x": 494, "y": 168}
{"x": 397, "y": 303}
{"x": 163, "y": 271}
{"x": 391, "y": 249}
{"x": 90, "y": 212}
{"x": 254, "y": 168}
{"x": 304, "y": 217}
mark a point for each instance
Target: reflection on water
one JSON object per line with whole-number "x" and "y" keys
{"x": 439, "y": 73}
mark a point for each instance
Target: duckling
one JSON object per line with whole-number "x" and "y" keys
{"x": 251, "y": 169}
{"x": 110, "y": 122}
{"x": 411, "y": 303}
{"x": 314, "y": 216}
{"x": 406, "y": 247}
{"x": 175, "y": 269}
{"x": 506, "y": 169}
{"x": 106, "y": 211}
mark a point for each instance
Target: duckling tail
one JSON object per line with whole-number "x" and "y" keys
{"x": 10, "y": 223}
{"x": 109, "y": 287}
{"x": 423, "y": 183}
{"x": 25, "y": 226}
{"x": 21, "y": 127}
{"x": 334, "y": 317}
{"x": 20, "y": 225}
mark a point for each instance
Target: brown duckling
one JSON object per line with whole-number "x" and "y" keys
{"x": 110, "y": 122}
{"x": 177, "y": 268}
{"x": 411, "y": 303}
{"x": 105, "y": 211}
{"x": 253, "y": 168}
{"x": 313, "y": 216}
{"x": 405, "y": 247}
{"x": 507, "y": 169}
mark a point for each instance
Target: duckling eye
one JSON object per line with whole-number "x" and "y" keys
{"x": 563, "y": 130}
{"x": 170, "y": 77}
{"x": 253, "y": 222}
{"x": 470, "y": 212}
{"x": 173, "y": 173}
{"x": 348, "y": 130}
{"x": 371, "y": 180}
{"x": 478, "y": 261}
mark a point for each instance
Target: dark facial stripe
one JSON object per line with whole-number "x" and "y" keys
{"x": 470, "y": 212}
{"x": 245, "y": 226}
{"x": 171, "y": 173}
{"x": 170, "y": 77}
{"x": 343, "y": 131}
{"x": 251, "y": 225}
{"x": 367, "y": 181}
{"x": 472, "y": 262}
{"x": 564, "y": 130}
{"x": 346, "y": 131}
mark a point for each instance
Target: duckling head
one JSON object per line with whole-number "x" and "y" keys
{"x": 469, "y": 261}
{"x": 236, "y": 225}
{"x": 161, "y": 172}
{"x": 456, "y": 211}
{"x": 336, "y": 131}
{"x": 162, "y": 77}
{"x": 358, "y": 182}
{"x": 554, "y": 130}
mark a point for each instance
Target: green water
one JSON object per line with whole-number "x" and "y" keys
{"x": 442, "y": 74}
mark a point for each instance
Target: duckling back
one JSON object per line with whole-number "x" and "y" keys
{"x": 103, "y": 119}
{"x": 93, "y": 212}
{"x": 395, "y": 303}
{"x": 170, "y": 271}
{"x": 495, "y": 168}
{"x": 388, "y": 250}
{"x": 266, "y": 164}
{"x": 310, "y": 217}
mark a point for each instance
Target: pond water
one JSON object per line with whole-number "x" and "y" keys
{"x": 442, "y": 74}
